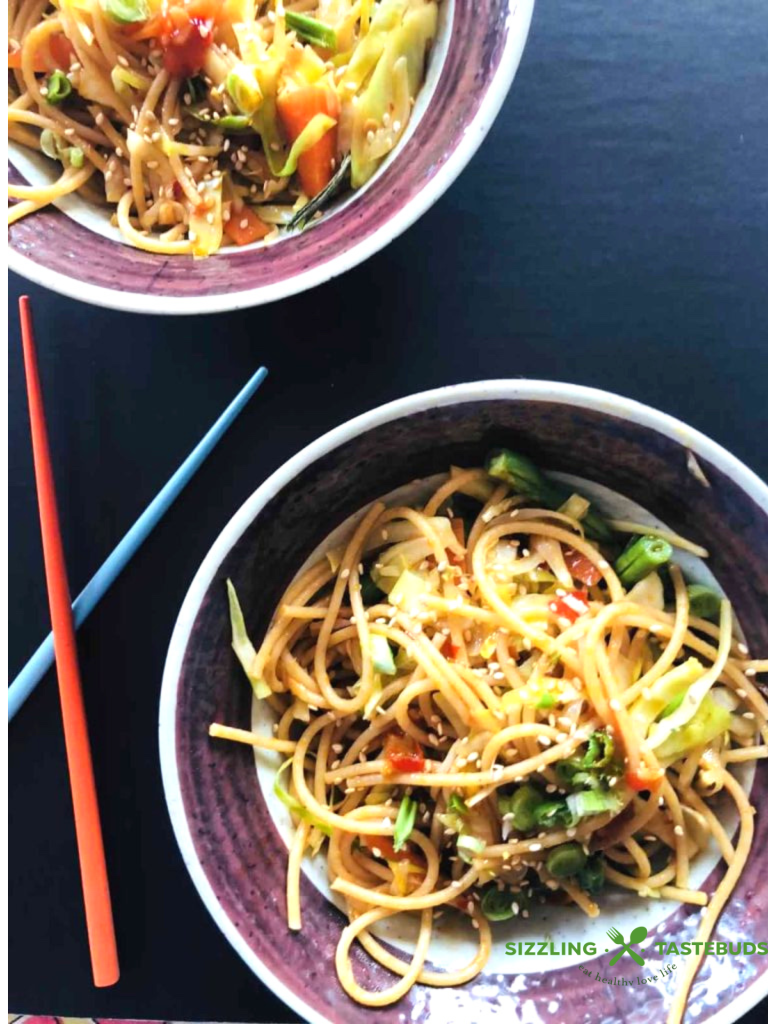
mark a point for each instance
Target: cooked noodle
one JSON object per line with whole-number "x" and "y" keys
{"x": 499, "y": 726}
{"x": 196, "y": 115}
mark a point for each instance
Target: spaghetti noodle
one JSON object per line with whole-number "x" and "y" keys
{"x": 211, "y": 122}
{"x": 483, "y": 708}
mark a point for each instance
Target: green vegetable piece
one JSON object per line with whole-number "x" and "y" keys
{"x": 666, "y": 694}
{"x": 600, "y": 747}
{"x": 591, "y": 878}
{"x": 591, "y": 801}
{"x": 704, "y": 602}
{"x": 566, "y": 860}
{"x": 522, "y": 806}
{"x": 502, "y": 904}
{"x": 244, "y": 89}
{"x": 294, "y": 805}
{"x": 406, "y": 819}
{"x": 381, "y": 655}
{"x": 196, "y": 88}
{"x": 546, "y": 700}
{"x": 525, "y": 477}
{"x": 552, "y": 813}
{"x": 59, "y": 87}
{"x": 673, "y": 705}
{"x": 369, "y": 592}
{"x": 456, "y": 804}
{"x": 468, "y": 846}
{"x": 640, "y": 557}
{"x": 55, "y": 147}
{"x": 593, "y": 768}
{"x": 308, "y": 136}
{"x": 711, "y": 720}
{"x": 241, "y": 644}
{"x": 516, "y": 470}
{"x": 311, "y": 30}
{"x": 127, "y": 12}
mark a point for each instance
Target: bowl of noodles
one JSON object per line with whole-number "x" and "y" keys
{"x": 463, "y": 716}
{"x": 184, "y": 156}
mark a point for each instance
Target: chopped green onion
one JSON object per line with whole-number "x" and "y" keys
{"x": 546, "y": 700}
{"x": 244, "y": 89}
{"x": 501, "y": 904}
{"x": 594, "y": 767}
{"x": 242, "y": 645}
{"x": 59, "y": 87}
{"x": 381, "y": 655}
{"x": 641, "y": 557}
{"x": 456, "y": 805}
{"x": 550, "y": 813}
{"x": 704, "y": 602}
{"x": 228, "y": 123}
{"x": 566, "y": 860}
{"x": 406, "y": 819}
{"x": 591, "y": 878}
{"x": 76, "y": 156}
{"x": 522, "y": 806}
{"x": 311, "y": 30}
{"x": 127, "y": 12}
{"x": 526, "y": 478}
{"x": 591, "y": 801}
{"x": 468, "y": 846}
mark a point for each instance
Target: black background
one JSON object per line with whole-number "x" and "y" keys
{"x": 612, "y": 231}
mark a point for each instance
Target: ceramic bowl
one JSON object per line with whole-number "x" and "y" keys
{"x": 234, "y": 841}
{"x": 471, "y": 69}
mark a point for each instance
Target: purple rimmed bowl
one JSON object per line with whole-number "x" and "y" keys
{"x": 476, "y": 55}
{"x": 232, "y": 847}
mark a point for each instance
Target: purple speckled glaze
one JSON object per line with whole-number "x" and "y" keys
{"x": 476, "y": 69}
{"x": 233, "y": 849}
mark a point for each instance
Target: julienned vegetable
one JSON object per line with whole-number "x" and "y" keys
{"x": 242, "y": 645}
{"x": 640, "y": 557}
{"x": 526, "y": 478}
{"x": 406, "y": 819}
{"x": 381, "y": 655}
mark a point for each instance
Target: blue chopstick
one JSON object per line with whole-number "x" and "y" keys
{"x": 96, "y": 588}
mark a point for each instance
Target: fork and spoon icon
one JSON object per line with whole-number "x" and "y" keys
{"x": 637, "y": 935}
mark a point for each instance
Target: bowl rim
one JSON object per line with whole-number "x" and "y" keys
{"x": 388, "y": 231}
{"x": 479, "y": 391}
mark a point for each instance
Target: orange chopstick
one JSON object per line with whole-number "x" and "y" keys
{"x": 90, "y": 845}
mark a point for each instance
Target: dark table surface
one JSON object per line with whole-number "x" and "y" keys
{"x": 612, "y": 231}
